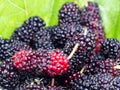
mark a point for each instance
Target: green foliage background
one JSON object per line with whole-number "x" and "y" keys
{"x": 14, "y": 12}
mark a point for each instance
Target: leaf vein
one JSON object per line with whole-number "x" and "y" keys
{"x": 15, "y": 5}
{"x": 26, "y": 11}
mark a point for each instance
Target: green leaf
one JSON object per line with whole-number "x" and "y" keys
{"x": 110, "y": 10}
{"x": 14, "y": 12}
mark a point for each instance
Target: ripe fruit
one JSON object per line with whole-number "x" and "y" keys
{"x": 95, "y": 82}
{"x": 58, "y": 37}
{"x": 9, "y": 77}
{"x": 10, "y": 47}
{"x": 35, "y": 22}
{"x": 4, "y": 46}
{"x": 107, "y": 66}
{"x": 34, "y": 83}
{"x": 84, "y": 53}
{"x": 109, "y": 48}
{"x": 103, "y": 66}
{"x": 62, "y": 34}
{"x": 75, "y": 54}
{"x": 85, "y": 39}
{"x": 68, "y": 14}
{"x": 93, "y": 68}
{"x": 91, "y": 18}
{"x": 42, "y": 39}
{"x": 16, "y": 46}
{"x": 73, "y": 76}
{"x": 25, "y": 32}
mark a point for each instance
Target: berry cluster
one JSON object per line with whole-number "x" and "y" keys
{"x": 73, "y": 55}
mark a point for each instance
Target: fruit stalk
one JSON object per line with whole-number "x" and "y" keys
{"x": 85, "y": 3}
{"x": 53, "y": 81}
{"x": 73, "y": 51}
{"x": 85, "y": 31}
{"x": 82, "y": 70}
{"x": 76, "y": 1}
{"x": 117, "y": 67}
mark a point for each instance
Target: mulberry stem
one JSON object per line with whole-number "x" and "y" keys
{"x": 76, "y": 1}
{"x": 85, "y": 3}
{"x": 73, "y": 51}
{"x": 53, "y": 81}
{"x": 82, "y": 70}
{"x": 117, "y": 67}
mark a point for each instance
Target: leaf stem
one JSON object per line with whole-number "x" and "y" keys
{"x": 26, "y": 12}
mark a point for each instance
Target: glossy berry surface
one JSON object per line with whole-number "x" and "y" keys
{"x": 9, "y": 77}
{"x": 110, "y": 48}
{"x": 33, "y": 83}
{"x": 58, "y": 63}
{"x": 74, "y": 54}
{"x": 69, "y": 13}
{"x": 25, "y": 60}
{"x": 91, "y": 18}
{"x": 42, "y": 39}
{"x": 95, "y": 82}
{"x": 26, "y": 31}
